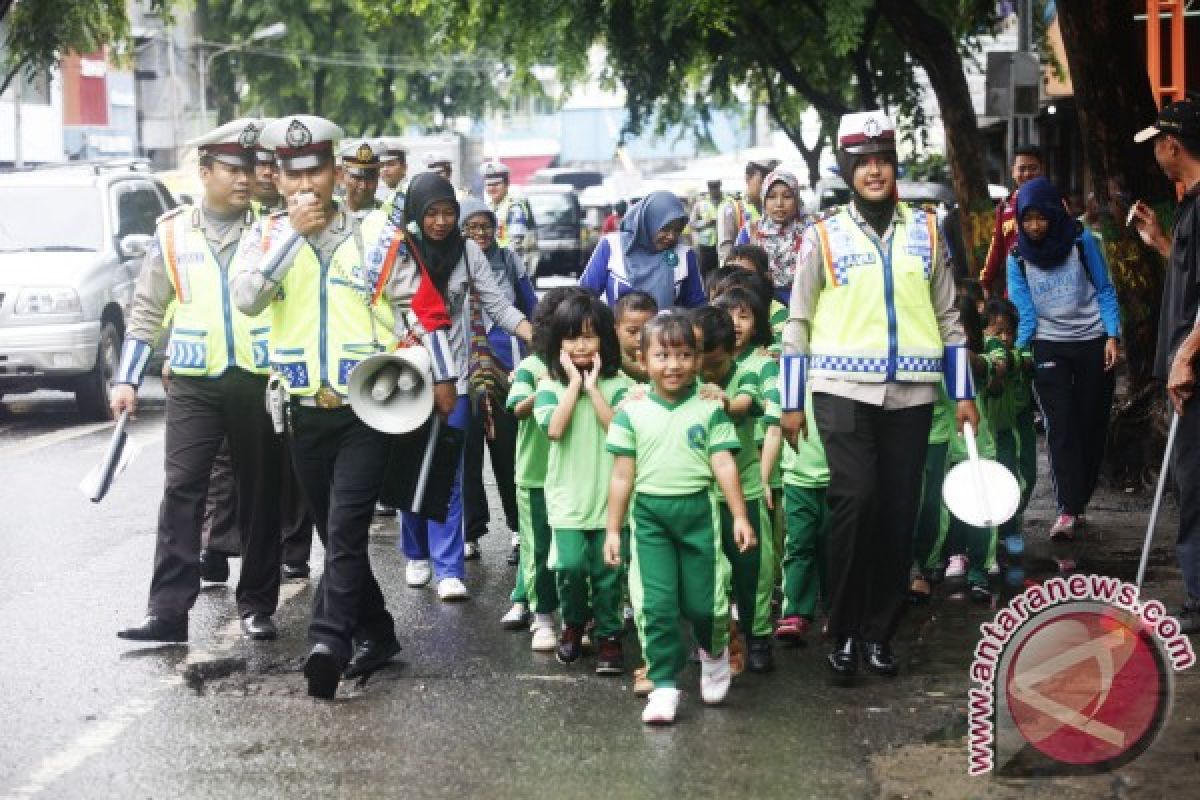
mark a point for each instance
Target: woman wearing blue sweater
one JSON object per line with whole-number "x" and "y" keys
{"x": 1058, "y": 280}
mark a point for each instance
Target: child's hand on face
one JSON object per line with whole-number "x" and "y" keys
{"x": 592, "y": 376}
{"x": 573, "y": 374}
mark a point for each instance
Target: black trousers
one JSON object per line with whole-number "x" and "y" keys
{"x": 201, "y": 414}
{"x": 876, "y": 459}
{"x": 1185, "y": 464}
{"x": 503, "y": 452}
{"x": 340, "y": 464}
{"x": 296, "y": 517}
{"x": 1075, "y": 394}
{"x": 221, "y": 534}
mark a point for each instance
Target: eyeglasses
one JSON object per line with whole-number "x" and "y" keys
{"x": 479, "y": 230}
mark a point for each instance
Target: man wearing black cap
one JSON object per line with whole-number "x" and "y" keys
{"x": 218, "y": 358}
{"x": 1176, "y": 137}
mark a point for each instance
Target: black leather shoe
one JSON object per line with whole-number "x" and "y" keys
{"x": 323, "y": 672}
{"x": 880, "y": 659}
{"x": 514, "y": 555}
{"x": 370, "y": 655}
{"x": 157, "y": 629}
{"x": 760, "y": 657}
{"x": 844, "y": 658}
{"x": 259, "y": 626}
{"x": 294, "y": 571}
{"x": 214, "y": 567}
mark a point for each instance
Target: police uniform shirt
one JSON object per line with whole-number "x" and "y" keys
{"x": 257, "y": 279}
{"x": 154, "y": 292}
{"x": 810, "y": 280}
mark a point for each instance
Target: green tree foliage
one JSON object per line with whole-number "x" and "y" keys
{"x": 38, "y": 32}
{"x": 370, "y": 65}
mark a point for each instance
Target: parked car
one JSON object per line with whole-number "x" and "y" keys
{"x": 578, "y": 179}
{"x": 559, "y": 218}
{"x": 72, "y": 240}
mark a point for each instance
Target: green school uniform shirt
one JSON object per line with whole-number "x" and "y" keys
{"x": 578, "y": 467}
{"x": 533, "y": 446}
{"x": 805, "y": 466}
{"x": 672, "y": 443}
{"x": 743, "y": 380}
{"x": 768, "y": 375}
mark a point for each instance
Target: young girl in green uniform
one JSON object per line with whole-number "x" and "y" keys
{"x": 669, "y": 445}
{"x": 535, "y": 590}
{"x": 574, "y": 406}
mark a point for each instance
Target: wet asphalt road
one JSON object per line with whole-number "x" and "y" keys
{"x": 468, "y": 711}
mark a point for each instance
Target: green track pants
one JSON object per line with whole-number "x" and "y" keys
{"x": 676, "y": 568}
{"x": 806, "y": 550}
{"x": 580, "y": 575}
{"x": 535, "y": 580}
{"x": 753, "y": 572}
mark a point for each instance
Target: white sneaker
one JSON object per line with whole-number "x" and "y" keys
{"x": 545, "y": 639}
{"x": 418, "y": 572}
{"x": 515, "y": 539}
{"x": 994, "y": 569}
{"x": 715, "y": 676}
{"x": 514, "y": 620}
{"x": 450, "y": 589}
{"x": 661, "y": 706}
{"x": 956, "y": 567}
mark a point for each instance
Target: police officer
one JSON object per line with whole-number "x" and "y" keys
{"x": 393, "y": 167}
{"x": 218, "y": 358}
{"x": 735, "y": 212}
{"x": 703, "y": 222}
{"x": 338, "y": 289}
{"x": 359, "y": 173}
{"x": 266, "y": 191}
{"x": 873, "y": 322}
{"x": 443, "y": 165}
{"x": 515, "y": 228}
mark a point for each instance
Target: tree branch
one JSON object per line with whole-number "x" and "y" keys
{"x": 781, "y": 63}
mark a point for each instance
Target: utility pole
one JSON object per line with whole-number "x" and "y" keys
{"x": 18, "y": 157}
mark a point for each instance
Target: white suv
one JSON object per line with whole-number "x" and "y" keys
{"x": 71, "y": 245}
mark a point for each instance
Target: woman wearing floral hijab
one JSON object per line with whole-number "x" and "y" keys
{"x": 780, "y": 229}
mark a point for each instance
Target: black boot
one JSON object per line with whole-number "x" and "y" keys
{"x": 760, "y": 658}
{"x": 880, "y": 659}
{"x": 844, "y": 658}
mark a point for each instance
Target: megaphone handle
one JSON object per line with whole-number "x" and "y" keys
{"x": 435, "y": 427}
{"x": 977, "y": 472}
{"x": 969, "y": 435}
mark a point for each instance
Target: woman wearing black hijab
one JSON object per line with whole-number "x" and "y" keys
{"x": 458, "y": 269}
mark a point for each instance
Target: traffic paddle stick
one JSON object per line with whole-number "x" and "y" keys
{"x": 979, "y": 491}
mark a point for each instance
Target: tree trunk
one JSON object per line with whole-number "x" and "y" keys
{"x": 934, "y": 47}
{"x": 1114, "y": 101}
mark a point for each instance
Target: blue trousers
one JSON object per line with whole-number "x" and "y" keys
{"x": 441, "y": 542}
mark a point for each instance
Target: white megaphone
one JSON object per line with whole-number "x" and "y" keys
{"x": 393, "y": 392}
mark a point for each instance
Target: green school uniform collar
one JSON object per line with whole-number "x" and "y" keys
{"x": 667, "y": 404}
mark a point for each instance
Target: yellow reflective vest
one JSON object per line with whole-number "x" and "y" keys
{"x": 210, "y": 334}
{"x": 874, "y": 320}
{"x": 329, "y": 315}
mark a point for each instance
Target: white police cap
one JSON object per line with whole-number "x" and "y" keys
{"x": 391, "y": 148}
{"x": 495, "y": 171}
{"x": 436, "y": 158}
{"x": 232, "y": 143}
{"x": 866, "y": 132}
{"x": 359, "y": 156}
{"x": 301, "y": 141}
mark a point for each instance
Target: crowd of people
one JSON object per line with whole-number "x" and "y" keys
{"x": 749, "y": 434}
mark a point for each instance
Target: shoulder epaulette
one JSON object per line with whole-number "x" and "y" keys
{"x": 174, "y": 212}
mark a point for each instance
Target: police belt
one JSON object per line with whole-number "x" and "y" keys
{"x": 325, "y": 398}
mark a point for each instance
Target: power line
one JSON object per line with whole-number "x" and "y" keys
{"x": 475, "y": 65}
